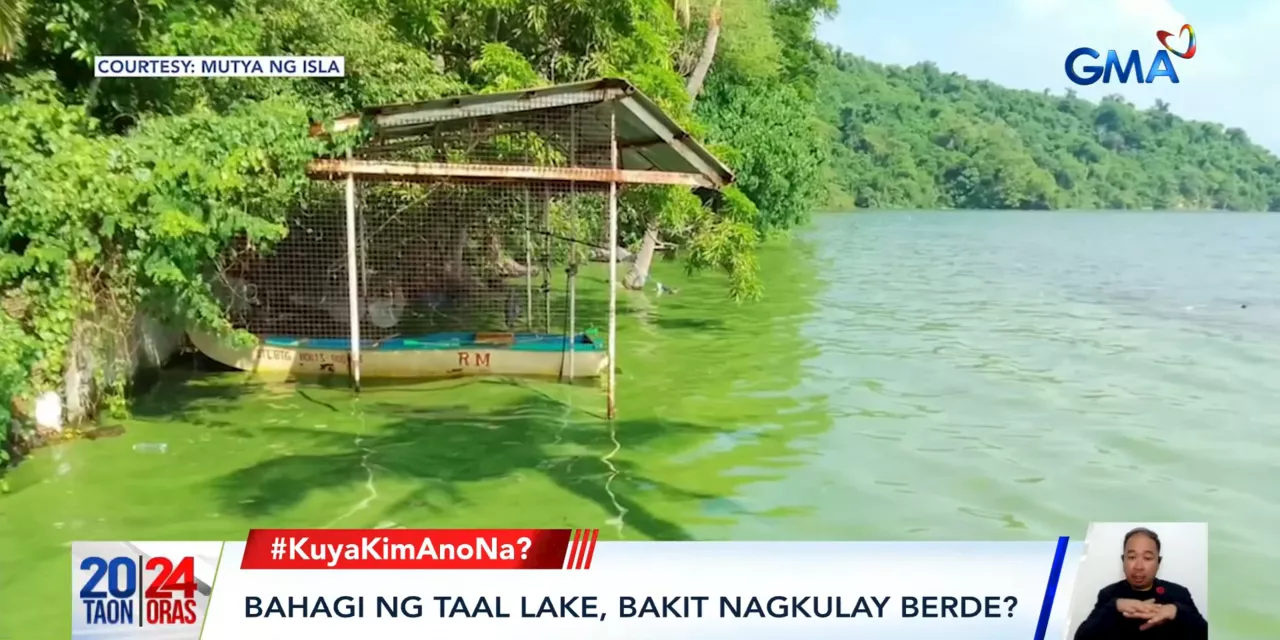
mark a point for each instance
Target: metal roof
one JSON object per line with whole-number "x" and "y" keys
{"x": 648, "y": 139}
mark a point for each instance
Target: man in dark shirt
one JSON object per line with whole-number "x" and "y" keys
{"x": 1142, "y": 606}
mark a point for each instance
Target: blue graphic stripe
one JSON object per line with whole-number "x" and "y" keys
{"x": 142, "y": 606}
{"x": 1050, "y": 589}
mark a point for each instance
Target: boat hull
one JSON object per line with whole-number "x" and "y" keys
{"x": 437, "y": 356}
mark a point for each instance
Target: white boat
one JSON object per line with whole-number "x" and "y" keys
{"x": 437, "y": 355}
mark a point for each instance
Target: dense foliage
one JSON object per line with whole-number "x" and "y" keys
{"x": 773, "y": 142}
{"x": 116, "y": 195}
{"x": 917, "y": 137}
{"x": 98, "y": 225}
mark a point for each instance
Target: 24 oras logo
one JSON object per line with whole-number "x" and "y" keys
{"x": 127, "y": 591}
{"x": 1161, "y": 65}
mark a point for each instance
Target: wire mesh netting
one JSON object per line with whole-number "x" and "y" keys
{"x": 444, "y": 254}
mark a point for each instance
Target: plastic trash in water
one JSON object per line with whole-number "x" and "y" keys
{"x": 151, "y": 447}
{"x": 664, "y": 289}
{"x": 48, "y": 412}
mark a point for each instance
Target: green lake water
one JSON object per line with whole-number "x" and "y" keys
{"x": 909, "y": 376}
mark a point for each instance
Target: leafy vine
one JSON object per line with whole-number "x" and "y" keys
{"x": 96, "y": 228}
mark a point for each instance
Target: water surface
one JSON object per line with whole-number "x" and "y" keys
{"x": 959, "y": 375}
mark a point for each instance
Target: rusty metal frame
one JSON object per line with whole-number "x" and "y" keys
{"x": 334, "y": 169}
{"x": 400, "y": 121}
{"x": 676, "y": 142}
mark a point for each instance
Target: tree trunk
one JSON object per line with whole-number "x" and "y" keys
{"x": 699, "y": 75}
{"x": 639, "y": 273}
{"x": 78, "y": 391}
{"x": 12, "y": 18}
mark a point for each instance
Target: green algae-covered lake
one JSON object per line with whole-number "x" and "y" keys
{"x": 909, "y": 376}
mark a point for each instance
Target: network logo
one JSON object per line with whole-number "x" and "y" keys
{"x": 1161, "y": 64}
{"x": 1163, "y": 37}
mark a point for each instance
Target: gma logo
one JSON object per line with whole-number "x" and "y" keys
{"x": 1089, "y": 74}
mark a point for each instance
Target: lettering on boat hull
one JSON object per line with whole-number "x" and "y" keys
{"x": 307, "y": 361}
{"x": 473, "y": 359}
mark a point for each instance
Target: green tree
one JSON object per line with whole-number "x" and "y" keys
{"x": 776, "y": 149}
{"x": 919, "y": 137}
{"x": 766, "y": 47}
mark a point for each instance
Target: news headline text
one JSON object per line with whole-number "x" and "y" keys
{"x": 590, "y": 607}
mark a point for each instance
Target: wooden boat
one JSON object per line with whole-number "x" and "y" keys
{"x": 438, "y": 355}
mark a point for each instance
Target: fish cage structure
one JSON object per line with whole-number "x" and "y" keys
{"x": 474, "y": 235}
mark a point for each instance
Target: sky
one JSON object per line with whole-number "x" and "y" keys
{"x": 1024, "y": 44}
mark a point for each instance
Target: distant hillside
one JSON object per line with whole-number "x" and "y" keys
{"x": 918, "y": 137}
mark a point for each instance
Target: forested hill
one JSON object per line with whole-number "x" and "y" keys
{"x": 919, "y": 138}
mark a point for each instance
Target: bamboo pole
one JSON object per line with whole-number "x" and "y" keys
{"x": 353, "y": 285}
{"x": 573, "y": 251}
{"x": 528, "y": 266}
{"x": 548, "y": 249}
{"x": 573, "y": 312}
{"x": 610, "y": 390}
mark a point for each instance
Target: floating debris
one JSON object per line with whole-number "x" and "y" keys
{"x": 48, "y": 413}
{"x": 109, "y": 431}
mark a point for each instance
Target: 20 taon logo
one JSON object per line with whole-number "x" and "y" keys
{"x": 133, "y": 592}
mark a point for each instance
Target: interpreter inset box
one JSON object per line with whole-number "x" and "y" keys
{"x": 1142, "y": 580}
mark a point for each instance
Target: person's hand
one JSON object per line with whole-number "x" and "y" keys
{"x": 1163, "y": 614}
{"x": 1131, "y": 608}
